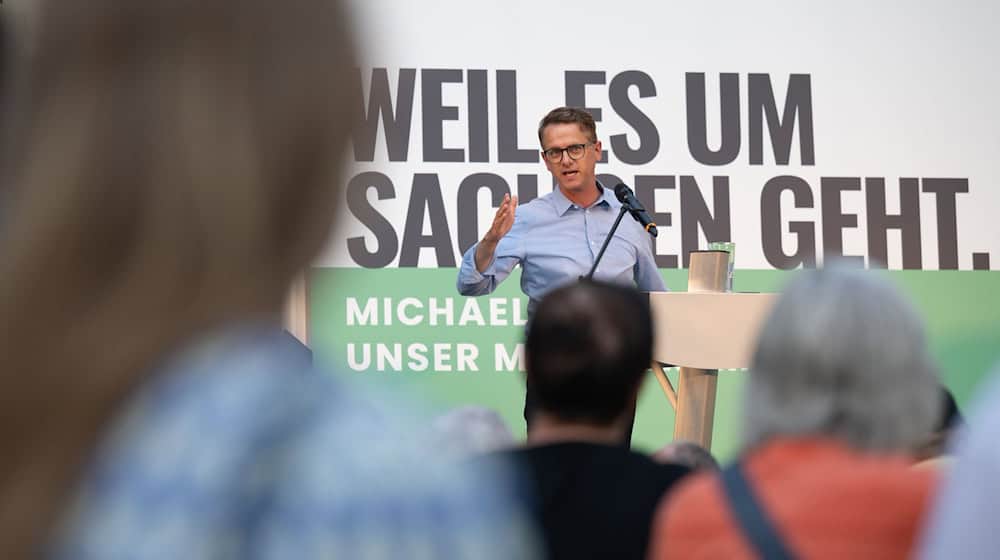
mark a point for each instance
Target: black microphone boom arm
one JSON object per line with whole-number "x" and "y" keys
{"x": 632, "y": 204}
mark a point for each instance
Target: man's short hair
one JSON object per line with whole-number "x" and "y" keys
{"x": 587, "y": 348}
{"x": 569, "y": 115}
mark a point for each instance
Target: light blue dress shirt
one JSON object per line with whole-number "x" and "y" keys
{"x": 555, "y": 242}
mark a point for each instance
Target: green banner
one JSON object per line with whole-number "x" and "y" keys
{"x": 410, "y": 329}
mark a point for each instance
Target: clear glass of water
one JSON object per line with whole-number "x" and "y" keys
{"x": 729, "y": 247}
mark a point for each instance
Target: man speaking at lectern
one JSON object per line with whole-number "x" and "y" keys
{"x": 556, "y": 238}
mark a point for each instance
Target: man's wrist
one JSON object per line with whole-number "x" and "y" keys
{"x": 484, "y": 254}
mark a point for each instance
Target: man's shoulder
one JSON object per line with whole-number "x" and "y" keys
{"x": 613, "y": 458}
{"x": 656, "y": 473}
{"x": 539, "y": 208}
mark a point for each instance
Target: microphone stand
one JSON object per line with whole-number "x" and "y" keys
{"x": 590, "y": 275}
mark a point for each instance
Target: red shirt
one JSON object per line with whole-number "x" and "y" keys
{"x": 825, "y": 500}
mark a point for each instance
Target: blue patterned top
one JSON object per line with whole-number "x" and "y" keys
{"x": 238, "y": 448}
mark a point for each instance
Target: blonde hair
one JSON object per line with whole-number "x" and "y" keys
{"x": 176, "y": 165}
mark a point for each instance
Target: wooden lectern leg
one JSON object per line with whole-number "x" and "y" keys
{"x": 296, "y": 312}
{"x": 668, "y": 389}
{"x": 695, "y": 407}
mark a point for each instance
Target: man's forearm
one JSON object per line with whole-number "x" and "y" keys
{"x": 484, "y": 254}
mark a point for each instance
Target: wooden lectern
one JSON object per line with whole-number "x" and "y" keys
{"x": 295, "y": 315}
{"x": 703, "y": 330}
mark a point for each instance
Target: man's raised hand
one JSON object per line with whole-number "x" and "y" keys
{"x": 502, "y": 222}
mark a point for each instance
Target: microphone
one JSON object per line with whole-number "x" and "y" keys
{"x": 628, "y": 199}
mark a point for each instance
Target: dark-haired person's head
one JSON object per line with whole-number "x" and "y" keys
{"x": 586, "y": 352}
{"x": 937, "y": 442}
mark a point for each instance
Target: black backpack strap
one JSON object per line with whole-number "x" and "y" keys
{"x": 751, "y": 517}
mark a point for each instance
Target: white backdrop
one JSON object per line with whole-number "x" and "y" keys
{"x": 898, "y": 89}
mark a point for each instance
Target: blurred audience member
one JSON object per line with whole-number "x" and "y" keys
{"x": 6, "y": 59}
{"x": 933, "y": 450}
{"x": 175, "y": 168}
{"x": 841, "y": 386}
{"x": 961, "y": 524}
{"x": 469, "y": 430}
{"x": 5, "y": 54}
{"x": 688, "y": 454}
{"x": 586, "y": 353}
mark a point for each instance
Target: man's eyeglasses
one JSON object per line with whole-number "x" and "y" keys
{"x": 575, "y": 151}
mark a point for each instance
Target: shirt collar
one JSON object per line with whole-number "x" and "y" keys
{"x": 563, "y": 204}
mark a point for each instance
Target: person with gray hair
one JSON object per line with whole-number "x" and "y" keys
{"x": 469, "y": 430}
{"x": 840, "y": 387}
{"x": 688, "y": 454}
{"x": 842, "y": 355}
